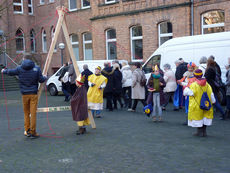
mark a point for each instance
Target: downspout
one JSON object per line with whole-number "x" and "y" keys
{"x": 192, "y": 17}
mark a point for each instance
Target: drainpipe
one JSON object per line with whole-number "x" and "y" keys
{"x": 192, "y": 17}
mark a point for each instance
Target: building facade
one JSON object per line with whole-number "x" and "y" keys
{"x": 107, "y": 29}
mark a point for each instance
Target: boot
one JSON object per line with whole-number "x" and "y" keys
{"x": 159, "y": 119}
{"x": 204, "y": 131}
{"x": 80, "y": 131}
{"x": 227, "y": 114}
{"x": 198, "y": 132}
{"x": 223, "y": 117}
{"x": 186, "y": 121}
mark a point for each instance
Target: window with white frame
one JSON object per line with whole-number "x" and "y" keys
{"x": 85, "y": 4}
{"x": 213, "y": 21}
{"x": 42, "y": 2}
{"x": 30, "y": 7}
{"x": 136, "y": 43}
{"x": 20, "y": 41}
{"x": 18, "y": 6}
{"x": 72, "y": 5}
{"x": 87, "y": 46}
{"x": 44, "y": 41}
{"x": 51, "y": 1}
{"x": 165, "y": 32}
{"x": 110, "y": 1}
{"x": 52, "y": 36}
{"x": 111, "y": 44}
{"x": 75, "y": 44}
{"x": 32, "y": 41}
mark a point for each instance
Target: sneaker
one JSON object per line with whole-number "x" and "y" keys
{"x": 35, "y": 136}
{"x": 154, "y": 119}
{"x": 27, "y": 133}
{"x": 131, "y": 110}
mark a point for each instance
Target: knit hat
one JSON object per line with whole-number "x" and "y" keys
{"x": 198, "y": 73}
{"x": 98, "y": 67}
{"x": 80, "y": 79}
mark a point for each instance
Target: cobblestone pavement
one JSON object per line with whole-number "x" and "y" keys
{"x": 123, "y": 142}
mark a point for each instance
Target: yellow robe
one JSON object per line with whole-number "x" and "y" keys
{"x": 95, "y": 95}
{"x": 194, "y": 111}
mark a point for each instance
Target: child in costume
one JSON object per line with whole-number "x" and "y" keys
{"x": 155, "y": 85}
{"x": 197, "y": 115}
{"x": 79, "y": 106}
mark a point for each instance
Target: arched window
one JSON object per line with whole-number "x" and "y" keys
{"x": 111, "y": 44}
{"x": 32, "y": 41}
{"x": 165, "y": 32}
{"x": 20, "y": 41}
{"x": 75, "y": 45}
{"x": 136, "y": 43}
{"x": 52, "y": 36}
{"x": 44, "y": 41}
{"x": 213, "y": 21}
{"x": 87, "y": 46}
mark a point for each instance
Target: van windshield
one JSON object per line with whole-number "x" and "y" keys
{"x": 156, "y": 59}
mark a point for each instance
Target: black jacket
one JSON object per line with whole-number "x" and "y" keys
{"x": 109, "y": 74}
{"x": 86, "y": 73}
{"x": 117, "y": 86}
{"x": 210, "y": 76}
{"x": 180, "y": 70}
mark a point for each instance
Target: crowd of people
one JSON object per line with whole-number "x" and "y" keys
{"x": 192, "y": 86}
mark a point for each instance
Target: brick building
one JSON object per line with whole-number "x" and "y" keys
{"x": 108, "y": 29}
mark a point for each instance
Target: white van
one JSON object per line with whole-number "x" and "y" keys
{"x": 192, "y": 48}
{"x": 54, "y": 85}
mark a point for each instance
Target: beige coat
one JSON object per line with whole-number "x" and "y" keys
{"x": 138, "y": 92}
{"x": 170, "y": 81}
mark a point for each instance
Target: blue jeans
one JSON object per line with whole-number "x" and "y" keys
{"x": 218, "y": 106}
{"x": 186, "y": 104}
{"x": 98, "y": 112}
{"x": 156, "y": 104}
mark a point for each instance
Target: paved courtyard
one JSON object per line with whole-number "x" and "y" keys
{"x": 123, "y": 142}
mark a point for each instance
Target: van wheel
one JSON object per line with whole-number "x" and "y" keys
{"x": 52, "y": 90}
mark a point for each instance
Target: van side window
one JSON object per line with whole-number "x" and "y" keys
{"x": 59, "y": 73}
{"x": 153, "y": 61}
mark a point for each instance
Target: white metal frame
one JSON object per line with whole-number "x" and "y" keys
{"x": 109, "y": 41}
{"x": 51, "y": 1}
{"x": 84, "y": 7}
{"x": 162, "y": 35}
{"x": 72, "y": 9}
{"x": 32, "y": 38}
{"x": 44, "y": 49}
{"x": 23, "y": 41}
{"x": 203, "y": 26}
{"x": 42, "y": 2}
{"x": 133, "y": 39}
{"x": 75, "y": 43}
{"x": 87, "y": 42}
{"x": 110, "y": 2}
{"x": 18, "y": 4}
{"x": 32, "y": 8}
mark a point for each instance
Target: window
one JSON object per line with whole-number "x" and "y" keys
{"x": 151, "y": 63}
{"x": 42, "y": 2}
{"x": 213, "y": 21}
{"x": 44, "y": 41}
{"x": 52, "y": 36}
{"x": 165, "y": 32}
{"x": 32, "y": 41}
{"x": 51, "y": 1}
{"x": 75, "y": 45}
{"x": 85, "y": 4}
{"x": 20, "y": 42}
{"x": 136, "y": 43}
{"x": 110, "y": 1}
{"x": 111, "y": 44}
{"x": 87, "y": 46}
{"x": 18, "y": 6}
{"x": 30, "y": 7}
{"x": 72, "y": 5}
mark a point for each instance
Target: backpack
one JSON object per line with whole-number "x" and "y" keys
{"x": 143, "y": 80}
{"x": 205, "y": 103}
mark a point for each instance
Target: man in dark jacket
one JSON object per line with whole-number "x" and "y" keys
{"x": 29, "y": 77}
{"x": 86, "y": 73}
{"x": 65, "y": 82}
{"x": 108, "y": 91}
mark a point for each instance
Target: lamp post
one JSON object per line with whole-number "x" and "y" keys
{"x": 62, "y": 47}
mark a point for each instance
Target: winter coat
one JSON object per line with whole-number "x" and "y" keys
{"x": 210, "y": 76}
{"x": 79, "y": 105}
{"x": 117, "y": 85}
{"x": 150, "y": 94}
{"x": 72, "y": 74}
{"x": 29, "y": 76}
{"x": 138, "y": 91}
{"x": 86, "y": 73}
{"x": 195, "y": 93}
{"x": 170, "y": 80}
{"x": 109, "y": 74}
{"x": 203, "y": 68}
{"x": 180, "y": 70}
{"x": 228, "y": 83}
{"x": 126, "y": 76}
